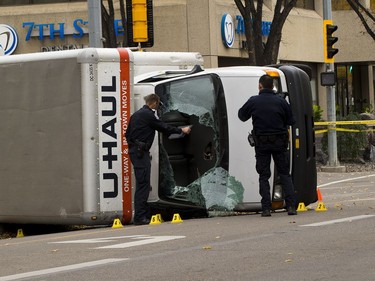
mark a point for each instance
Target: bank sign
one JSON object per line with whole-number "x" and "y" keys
{"x": 229, "y": 28}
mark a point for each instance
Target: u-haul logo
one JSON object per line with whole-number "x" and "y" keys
{"x": 110, "y": 136}
{"x": 114, "y": 114}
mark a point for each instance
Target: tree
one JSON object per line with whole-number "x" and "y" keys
{"x": 263, "y": 53}
{"x": 108, "y": 17}
{"x": 364, "y": 15}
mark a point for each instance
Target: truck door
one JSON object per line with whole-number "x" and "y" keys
{"x": 187, "y": 161}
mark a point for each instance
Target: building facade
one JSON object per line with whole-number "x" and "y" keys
{"x": 197, "y": 26}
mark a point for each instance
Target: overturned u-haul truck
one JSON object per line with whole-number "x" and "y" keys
{"x": 64, "y": 158}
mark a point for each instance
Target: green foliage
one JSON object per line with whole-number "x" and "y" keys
{"x": 350, "y": 145}
{"x": 369, "y": 109}
{"x": 317, "y": 113}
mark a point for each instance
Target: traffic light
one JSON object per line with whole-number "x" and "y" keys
{"x": 329, "y": 40}
{"x": 139, "y": 28}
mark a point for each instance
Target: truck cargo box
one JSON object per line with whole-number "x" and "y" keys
{"x": 63, "y": 115}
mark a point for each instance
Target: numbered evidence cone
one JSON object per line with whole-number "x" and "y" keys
{"x": 301, "y": 207}
{"x": 155, "y": 219}
{"x": 321, "y": 207}
{"x": 117, "y": 224}
{"x": 19, "y": 233}
{"x": 176, "y": 218}
{"x": 159, "y": 217}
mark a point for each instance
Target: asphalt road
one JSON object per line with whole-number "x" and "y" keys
{"x": 337, "y": 244}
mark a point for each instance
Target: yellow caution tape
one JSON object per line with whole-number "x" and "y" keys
{"x": 342, "y": 130}
{"x": 348, "y": 130}
{"x": 358, "y": 122}
{"x": 332, "y": 126}
{"x": 320, "y": 132}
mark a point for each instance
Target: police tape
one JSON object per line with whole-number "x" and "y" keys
{"x": 332, "y": 125}
{"x": 342, "y": 130}
{"x": 358, "y": 122}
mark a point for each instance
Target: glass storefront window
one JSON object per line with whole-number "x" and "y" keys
{"x": 343, "y": 95}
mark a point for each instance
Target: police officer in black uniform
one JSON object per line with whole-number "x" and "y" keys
{"x": 140, "y": 136}
{"x": 271, "y": 116}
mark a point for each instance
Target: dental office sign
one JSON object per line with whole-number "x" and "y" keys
{"x": 229, "y": 28}
{"x": 8, "y": 40}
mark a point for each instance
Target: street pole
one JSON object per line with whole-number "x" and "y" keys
{"x": 95, "y": 23}
{"x": 331, "y": 101}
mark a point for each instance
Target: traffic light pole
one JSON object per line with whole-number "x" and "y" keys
{"x": 331, "y": 115}
{"x": 95, "y": 23}
{"x": 331, "y": 101}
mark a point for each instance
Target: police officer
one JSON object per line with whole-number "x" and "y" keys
{"x": 271, "y": 116}
{"x": 140, "y": 136}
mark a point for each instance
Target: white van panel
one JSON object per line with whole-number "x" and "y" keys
{"x": 241, "y": 156}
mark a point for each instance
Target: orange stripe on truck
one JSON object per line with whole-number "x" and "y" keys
{"x": 125, "y": 116}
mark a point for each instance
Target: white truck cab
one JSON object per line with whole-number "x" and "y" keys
{"x": 214, "y": 167}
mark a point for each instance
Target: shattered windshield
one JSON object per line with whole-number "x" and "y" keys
{"x": 194, "y": 168}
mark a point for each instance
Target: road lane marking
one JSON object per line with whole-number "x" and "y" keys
{"x": 364, "y": 199}
{"x": 349, "y": 219}
{"x": 350, "y": 186}
{"x": 146, "y": 240}
{"x": 340, "y": 181}
{"x": 99, "y": 240}
{"x": 60, "y": 269}
{"x": 141, "y": 240}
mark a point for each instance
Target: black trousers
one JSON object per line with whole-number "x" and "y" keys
{"x": 263, "y": 154}
{"x": 142, "y": 171}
